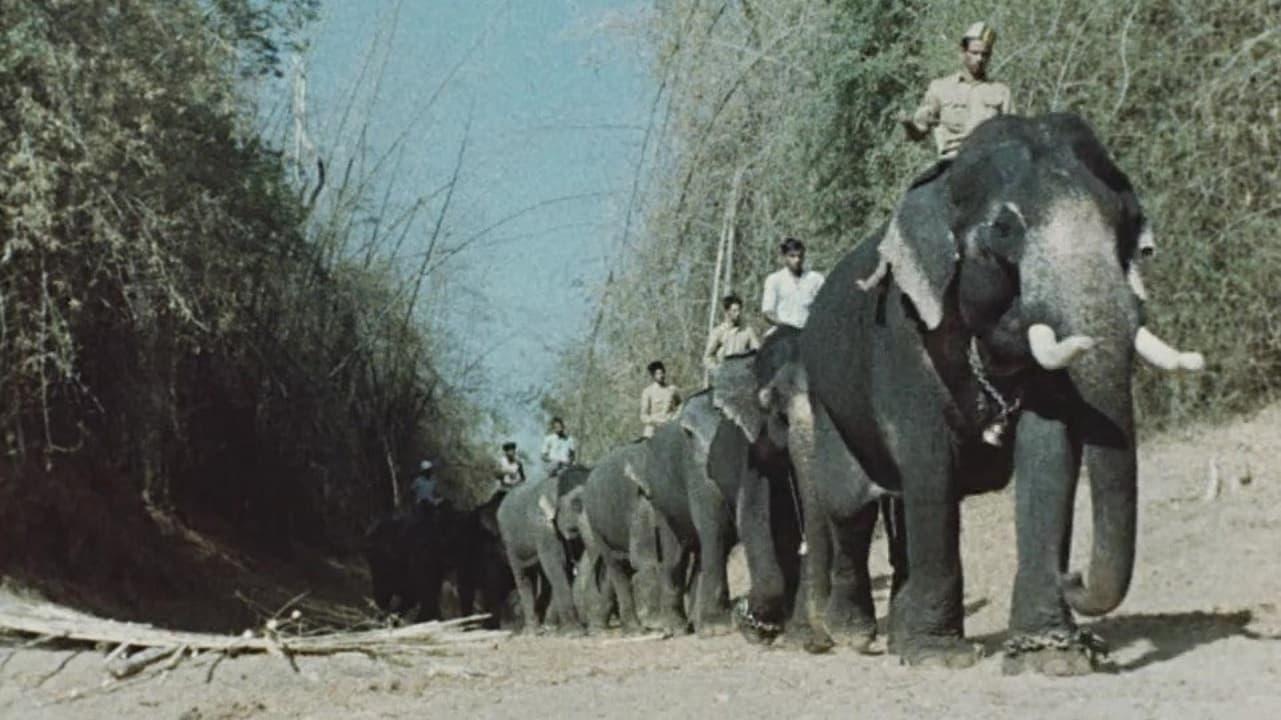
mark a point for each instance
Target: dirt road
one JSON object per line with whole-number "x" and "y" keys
{"x": 1198, "y": 637}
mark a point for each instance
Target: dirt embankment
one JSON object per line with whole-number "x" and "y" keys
{"x": 1198, "y": 637}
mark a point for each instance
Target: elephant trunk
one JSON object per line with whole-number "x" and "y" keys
{"x": 1073, "y": 284}
{"x": 1113, "y": 496}
{"x": 1107, "y": 429}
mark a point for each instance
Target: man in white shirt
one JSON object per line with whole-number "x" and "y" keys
{"x": 790, "y": 291}
{"x": 510, "y": 470}
{"x": 660, "y": 401}
{"x": 558, "y": 448}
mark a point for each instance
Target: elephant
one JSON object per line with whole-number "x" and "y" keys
{"x": 751, "y": 447}
{"x": 618, "y": 527}
{"x": 711, "y": 487}
{"x": 995, "y": 340}
{"x": 531, "y": 520}
{"x": 404, "y": 565}
{"x": 412, "y": 553}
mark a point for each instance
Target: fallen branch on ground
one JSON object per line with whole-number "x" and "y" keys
{"x": 45, "y": 620}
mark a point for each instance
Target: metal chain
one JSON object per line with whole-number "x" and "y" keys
{"x": 1091, "y": 644}
{"x": 743, "y": 613}
{"x": 1006, "y": 408}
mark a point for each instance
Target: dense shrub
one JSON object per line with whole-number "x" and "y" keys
{"x": 178, "y": 324}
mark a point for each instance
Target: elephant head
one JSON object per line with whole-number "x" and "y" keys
{"x": 569, "y": 513}
{"x": 751, "y": 389}
{"x": 1024, "y": 245}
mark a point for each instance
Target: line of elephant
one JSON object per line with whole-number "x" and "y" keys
{"x": 987, "y": 331}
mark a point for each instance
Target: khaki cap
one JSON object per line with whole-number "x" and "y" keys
{"x": 982, "y": 32}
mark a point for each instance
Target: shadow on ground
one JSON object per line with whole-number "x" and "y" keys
{"x": 1169, "y": 635}
{"x": 1173, "y": 634}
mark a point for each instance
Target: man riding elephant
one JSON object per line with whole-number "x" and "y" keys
{"x": 1000, "y": 335}
{"x": 957, "y": 103}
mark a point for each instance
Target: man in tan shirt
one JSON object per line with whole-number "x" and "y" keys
{"x": 731, "y": 337}
{"x": 956, "y": 104}
{"x": 660, "y": 401}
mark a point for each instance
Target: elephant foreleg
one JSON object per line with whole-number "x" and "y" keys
{"x": 715, "y": 537}
{"x": 1048, "y": 463}
{"x": 766, "y": 599}
{"x": 927, "y": 616}
{"x": 815, "y": 534}
{"x": 551, "y": 556}
{"x": 525, "y": 588}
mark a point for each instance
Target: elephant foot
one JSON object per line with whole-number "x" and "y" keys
{"x": 1058, "y": 653}
{"x": 672, "y": 624}
{"x": 754, "y": 629}
{"x": 566, "y": 630}
{"x": 853, "y": 630}
{"x": 714, "y": 624}
{"x": 860, "y": 640}
{"x": 939, "y": 652}
{"x": 817, "y": 641}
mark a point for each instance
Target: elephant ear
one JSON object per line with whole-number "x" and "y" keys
{"x": 734, "y": 393}
{"x": 635, "y": 468}
{"x": 699, "y": 418}
{"x": 574, "y": 500}
{"x": 789, "y": 381}
{"x": 547, "y": 501}
{"x": 921, "y": 252}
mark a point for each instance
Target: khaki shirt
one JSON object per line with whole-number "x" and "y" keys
{"x": 956, "y": 104}
{"x": 659, "y": 404}
{"x": 726, "y": 340}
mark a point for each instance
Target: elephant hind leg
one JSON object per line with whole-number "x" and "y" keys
{"x": 711, "y": 597}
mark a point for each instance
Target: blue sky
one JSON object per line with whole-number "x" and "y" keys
{"x": 553, "y": 97}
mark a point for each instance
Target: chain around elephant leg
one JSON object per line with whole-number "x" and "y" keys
{"x": 1057, "y": 653}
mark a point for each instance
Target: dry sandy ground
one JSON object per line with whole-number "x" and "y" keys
{"x": 1199, "y": 637}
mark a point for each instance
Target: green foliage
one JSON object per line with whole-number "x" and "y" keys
{"x": 171, "y": 313}
{"x": 800, "y": 98}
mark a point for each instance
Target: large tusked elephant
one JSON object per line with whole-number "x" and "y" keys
{"x": 1001, "y": 341}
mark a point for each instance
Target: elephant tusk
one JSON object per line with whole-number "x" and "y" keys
{"x": 1157, "y": 353}
{"x": 1050, "y": 352}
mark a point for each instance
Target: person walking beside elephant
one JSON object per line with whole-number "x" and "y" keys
{"x": 660, "y": 400}
{"x": 731, "y": 337}
{"x": 791, "y": 290}
{"x": 558, "y": 448}
{"x": 957, "y": 103}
